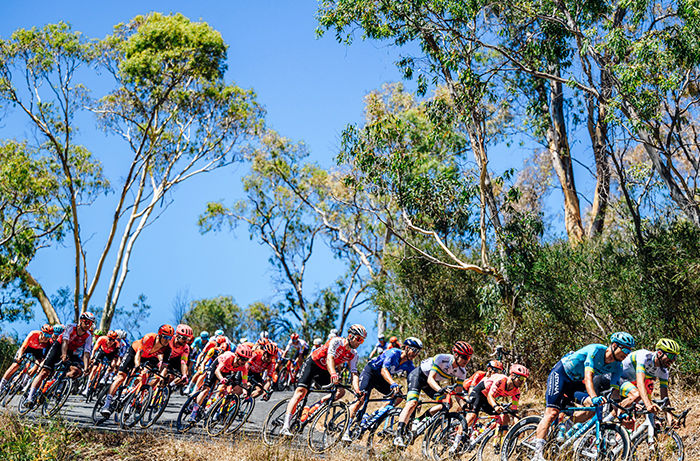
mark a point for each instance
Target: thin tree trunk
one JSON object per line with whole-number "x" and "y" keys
{"x": 39, "y": 293}
{"x": 598, "y": 132}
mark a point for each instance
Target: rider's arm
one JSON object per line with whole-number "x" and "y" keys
{"x": 588, "y": 382}
{"x": 432, "y": 382}
{"x": 183, "y": 365}
{"x": 64, "y": 348}
{"x": 137, "y": 358}
{"x": 642, "y": 388}
{"x": 86, "y": 359}
{"x": 218, "y": 373}
{"x": 387, "y": 376}
{"x": 330, "y": 365}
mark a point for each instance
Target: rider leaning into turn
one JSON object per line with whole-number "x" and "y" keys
{"x": 36, "y": 344}
{"x": 321, "y": 368}
{"x": 106, "y": 349}
{"x": 572, "y": 378}
{"x": 180, "y": 352}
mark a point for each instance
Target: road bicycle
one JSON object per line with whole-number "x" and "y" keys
{"x": 287, "y": 375}
{"x": 376, "y": 424}
{"x": 327, "y": 420}
{"x": 21, "y": 380}
{"x": 221, "y": 404}
{"x": 655, "y": 440}
{"x": 597, "y": 438}
{"x": 51, "y": 395}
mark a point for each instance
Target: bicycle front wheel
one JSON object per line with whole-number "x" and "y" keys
{"x": 666, "y": 446}
{"x": 237, "y": 420}
{"x": 380, "y": 440}
{"x": 135, "y": 406}
{"x": 327, "y": 427}
{"x": 446, "y": 437}
{"x": 614, "y": 444}
{"x": 274, "y": 423}
{"x": 220, "y": 413}
{"x": 56, "y": 396}
{"x": 519, "y": 443}
{"x": 160, "y": 399}
{"x": 184, "y": 420}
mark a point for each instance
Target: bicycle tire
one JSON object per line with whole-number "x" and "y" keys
{"x": 245, "y": 409}
{"x": 12, "y": 389}
{"x": 159, "y": 401}
{"x": 380, "y": 439}
{"x": 670, "y": 440}
{"x": 56, "y": 396}
{"x": 327, "y": 426}
{"x": 218, "y": 416}
{"x": 97, "y": 417}
{"x": 442, "y": 436}
{"x": 480, "y": 456}
{"x": 617, "y": 441}
{"x": 274, "y": 422}
{"x": 510, "y": 441}
{"x": 22, "y": 407}
{"x": 181, "y": 424}
{"x": 135, "y": 406}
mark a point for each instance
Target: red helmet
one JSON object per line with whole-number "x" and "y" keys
{"x": 393, "y": 339}
{"x": 463, "y": 348}
{"x": 244, "y": 351}
{"x": 270, "y": 348}
{"x": 294, "y": 336}
{"x": 520, "y": 370}
{"x": 184, "y": 330}
{"x": 221, "y": 340}
{"x": 113, "y": 334}
{"x": 166, "y": 330}
{"x": 496, "y": 365}
{"x": 46, "y": 328}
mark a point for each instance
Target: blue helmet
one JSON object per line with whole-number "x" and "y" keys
{"x": 204, "y": 335}
{"x": 623, "y": 339}
{"x": 58, "y": 329}
{"x": 219, "y": 332}
{"x": 413, "y": 343}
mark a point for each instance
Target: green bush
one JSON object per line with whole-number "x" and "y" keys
{"x": 8, "y": 348}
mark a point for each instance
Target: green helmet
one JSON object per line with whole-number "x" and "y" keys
{"x": 669, "y": 346}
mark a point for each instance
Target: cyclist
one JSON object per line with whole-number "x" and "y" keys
{"x": 318, "y": 342}
{"x": 73, "y": 346}
{"x": 199, "y": 344}
{"x": 296, "y": 351}
{"x": 261, "y": 367}
{"x": 427, "y": 378}
{"x": 36, "y": 343}
{"x": 229, "y": 365}
{"x": 393, "y": 342}
{"x": 565, "y": 379}
{"x": 180, "y": 352}
{"x": 333, "y": 333}
{"x": 58, "y": 330}
{"x": 378, "y": 348}
{"x": 321, "y": 368}
{"x": 484, "y": 396}
{"x": 106, "y": 349}
{"x": 642, "y": 367}
{"x": 154, "y": 349}
{"x": 378, "y": 374}
{"x": 494, "y": 366}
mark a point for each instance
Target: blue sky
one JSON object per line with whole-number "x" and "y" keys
{"x": 310, "y": 87}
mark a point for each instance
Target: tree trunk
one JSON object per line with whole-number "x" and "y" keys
{"x": 598, "y": 132}
{"x": 40, "y": 295}
{"x": 559, "y": 150}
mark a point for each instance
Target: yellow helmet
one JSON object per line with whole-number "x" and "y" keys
{"x": 668, "y": 346}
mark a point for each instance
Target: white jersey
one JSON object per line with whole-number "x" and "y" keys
{"x": 445, "y": 366}
{"x": 643, "y": 361}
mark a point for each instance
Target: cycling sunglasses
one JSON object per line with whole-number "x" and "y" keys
{"x": 671, "y": 356}
{"x": 625, "y": 350}
{"x": 181, "y": 337}
{"x": 167, "y": 337}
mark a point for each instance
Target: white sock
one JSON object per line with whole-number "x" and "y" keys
{"x": 539, "y": 446}
{"x": 287, "y": 417}
{"x": 3, "y": 381}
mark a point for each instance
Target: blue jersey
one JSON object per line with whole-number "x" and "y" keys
{"x": 591, "y": 357}
{"x": 390, "y": 360}
{"x": 199, "y": 343}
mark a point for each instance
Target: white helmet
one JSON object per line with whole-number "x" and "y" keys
{"x": 318, "y": 341}
{"x": 243, "y": 340}
{"x": 264, "y": 334}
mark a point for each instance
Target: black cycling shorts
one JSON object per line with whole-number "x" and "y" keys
{"x": 53, "y": 357}
{"x": 478, "y": 401}
{"x": 101, "y": 355}
{"x": 373, "y": 379}
{"x": 235, "y": 379}
{"x": 38, "y": 354}
{"x": 128, "y": 362}
{"x": 310, "y": 373}
{"x": 418, "y": 381}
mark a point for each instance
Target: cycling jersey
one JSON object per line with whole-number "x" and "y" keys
{"x": 390, "y": 360}
{"x": 258, "y": 366}
{"x": 75, "y": 341}
{"x": 474, "y": 379}
{"x": 147, "y": 346}
{"x": 32, "y": 340}
{"x": 226, "y": 365}
{"x": 294, "y": 349}
{"x": 102, "y": 344}
{"x": 198, "y": 343}
{"x": 643, "y": 361}
{"x": 591, "y": 357}
{"x": 179, "y": 351}
{"x": 446, "y": 367}
{"x": 339, "y": 348}
{"x": 495, "y": 385}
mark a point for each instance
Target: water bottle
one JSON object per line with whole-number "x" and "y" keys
{"x": 379, "y": 413}
{"x": 364, "y": 424}
{"x": 561, "y": 434}
{"x": 573, "y": 430}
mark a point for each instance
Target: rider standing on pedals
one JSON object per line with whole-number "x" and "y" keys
{"x": 153, "y": 348}
{"x": 321, "y": 368}
{"x": 426, "y": 378}
{"x": 73, "y": 346}
{"x": 378, "y": 374}
{"x": 565, "y": 381}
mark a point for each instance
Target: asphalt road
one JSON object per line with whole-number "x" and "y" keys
{"x": 79, "y": 412}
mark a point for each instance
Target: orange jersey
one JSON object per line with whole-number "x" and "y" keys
{"x": 257, "y": 365}
{"x": 474, "y": 379}
{"x": 103, "y": 343}
{"x": 147, "y": 345}
{"x": 33, "y": 338}
{"x": 183, "y": 351}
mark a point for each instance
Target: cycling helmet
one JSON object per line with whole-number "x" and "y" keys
{"x": 99, "y": 333}
{"x": 380, "y": 338}
{"x": 669, "y": 346}
{"x": 184, "y": 330}
{"x": 112, "y": 334}
{"x": 462, "y": 348}
{"x": 495, "y": 364}
{"x": 88, "y": 316}
{"x": 243, "y": 340}
{"x": 58, "y": 329}
{"x": 166, "y": 330}
{"x": 520, "y": 370}
{"x": 219, "y": 332}
{"x": 393, "y": 339}
{"x": 122, "y": 334}
{"x": 413, "y": 343}
{"x": 622, "y": 339}
{"x": 269, "y": 348}
{"x": 264, "y": 335}
{"x": 333, "y": 333}
{"x": 357, "y": 330}
{"x": 221, "y": 340}
{"x": 47, "y": 329}
{"x": 204, "y": 335}
{"x": 244, "y": 351}
{"x": 318, "y": 341}
{"x": 294, "y": 336}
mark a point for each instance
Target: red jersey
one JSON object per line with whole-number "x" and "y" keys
{"x": 179, "y": 351}
{"x": 226, "y": 365}
{"x": 256, "y": 364}
{"x": 496, "y": 386}
{"x": 339, "y": 348}
{"x": 76, "y": 341}
{"x": 474, "y": 379}
{"x": 147, "y": 344}
{"x": 103, "y": 344}
{"x": 32, "y": 340}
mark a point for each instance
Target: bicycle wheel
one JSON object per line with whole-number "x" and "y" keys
{"x": 97, "y": 417}
{"x": 666, "y": 446}
{"x": 161, "y": 396}
{"x": 238, "y": 419}
{"x": 282, "y": 379}
{"x": 56, "y": 396}
{"x": 615, "y": 446}
{"x": 22, "y": 407}
{"x": 135, "y": 406}
{"x": 13, "y": 388}
{"x": 183, "y": 423}
{"x": 220, "y": 413}
{"x": 327, "y": 426}
{"x": 380, "y": 440}
{"x": 274, "y": 422}
{"x": 446, "y": 437}
{"x": 519, "y": 442}
{"x": 486, "y": 452}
